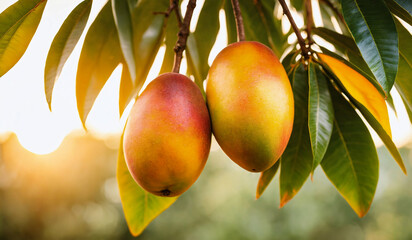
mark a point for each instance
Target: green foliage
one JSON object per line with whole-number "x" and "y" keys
{"x": 333, "y": 91}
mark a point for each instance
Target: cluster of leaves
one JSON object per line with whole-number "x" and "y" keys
{"x": 372, "y": 55}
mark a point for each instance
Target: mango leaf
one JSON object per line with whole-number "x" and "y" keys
{"x": 18, "y": 23}
{"x": 193, "y": 62}
{"x": 400, "y": 11}
{"x": 405, "y": 4}
{"x": 126, "y": 89}
{"x": 351, "y": 161}
{"x": 359, "y": 88}
{"x": 320, "y": 114}
{"x": 375, "y": 34}
{"x": 172, "y": 30}
{"x": 265, "y": 179}
{"x": 139, "y": 206}
{"x": 148, "y": 36}
{"x": 63, "y": 45}
{"x": 255, "y": 29}
{"x": 347, "y": 46}
{"x": 297, "y": 4}
{"x": 122, "y": 16}
{"x": 230, "y": 22}
{"x": 297, "y": 159}
{"x": 327, "y": 13}
{"x": 100, "y": 55}
{"x": 367, "y": 99}
{"x": 277, "y": 40}
{"x": 206, "y": 32}
{"x": 403, "y": 81}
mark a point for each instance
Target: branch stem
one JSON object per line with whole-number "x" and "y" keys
{"x": 183, "y": 34}
{"x": 309, "y": 21}
{"x": 239, "y": 20}
{"x": 301, "y": 41}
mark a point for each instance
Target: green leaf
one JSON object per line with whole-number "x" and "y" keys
{"x": 399, "y": 11}
{"x": 172, "y": 30}
{"x": 63, "y": 45}
{"x": 100, "y": 55}
{"x": 405, "y": 4}
{"x": 18, "y": 23}
{"x": 347, "y": 46}
{"x": 193, "y": 62}
{"x": 297, "y": 159}
{"x": 351, "y": 161}
{"x": 374, "y": 31}
{"x": 230, "y": 22}
{"x": 403, "y": 81}
{"x": 327, "y": 14}
{"x": 206, "y": 32}
{"x": 265, "y": 179}
{"x": 255, "y": 29}
{"x": 148, "y": 36}
{"x": 139, "y": 206}
{"x": 320, "y": 114}
{"x": 298, "y": 4}
{"x": 122, "y": 16}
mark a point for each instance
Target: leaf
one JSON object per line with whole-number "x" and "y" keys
{"x": 405, "y": 4}
{"x": 320, "y": 114}
{"x": 347, "y": 46}
{"x": 126, "y": 89}
{"x": 206, "y": 32}
{"x": 147, "y": 38}
{"x": 255, "y": 29}
{"x": 139, "y": 206}
{"x": 327, "y": 13}
{"x": 172, "y": 30}
{"x": 193, "y": 62}
{"x": 297, "y": 160}
{"x": 230, "y": 22}
{"x": 375, "y": 34}
{"x": 18, "y": 23}
{"x": 399, "y": 11}
{"x": 265, "y": 179}
{"x": 351, "y": 161}
{"x": 63, "y": 44}
{"x": 122, "y": 17}
{"x": 360, "y": 89}
{"x": 298, "y": 4}
{"x": 403, "y": 81}
{"x": 367, "y": 99}
{"x": 100, "y": 55}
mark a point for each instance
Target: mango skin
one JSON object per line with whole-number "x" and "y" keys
{"x": 168, "y": 135}
{"x": 251, "y": 105}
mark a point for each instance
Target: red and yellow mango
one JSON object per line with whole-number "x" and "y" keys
{"x": 251, "y": 105}
{"x": 168, "y": 135}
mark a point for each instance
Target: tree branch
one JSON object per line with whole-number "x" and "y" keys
{"x": 239, "y": 20}
{"x": 305, "y": 51}
{"x": 182, "y": 35}
{"x": 309, "y": 21}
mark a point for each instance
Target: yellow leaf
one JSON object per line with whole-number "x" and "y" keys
{"x": 360, "y": 89}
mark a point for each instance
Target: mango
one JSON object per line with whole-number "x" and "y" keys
{"x": 168, "y": 135}
{"x": 251, "y": 105}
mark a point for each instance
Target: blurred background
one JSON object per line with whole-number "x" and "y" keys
{"x": 58, "y": 182}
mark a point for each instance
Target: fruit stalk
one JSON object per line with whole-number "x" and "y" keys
{"x": 183, "y": 34}
{"x": 239, "y": 20}
{"x": 305, "y": 50}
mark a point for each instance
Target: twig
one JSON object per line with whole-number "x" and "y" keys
{"x": 174, "y": 6}
{"x": 301, "y": 41}
{"x": 309, "y": 21}
{"x": 239, "y": 20}
{"x": 182, "y": 35}
{"x": 334, "y": 8}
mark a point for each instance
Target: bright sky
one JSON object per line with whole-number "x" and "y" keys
{"x": 24, "y": 108}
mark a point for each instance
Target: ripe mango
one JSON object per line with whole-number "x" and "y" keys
{"x": 251, "y": 104}
{"x": 168, "y": 135}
